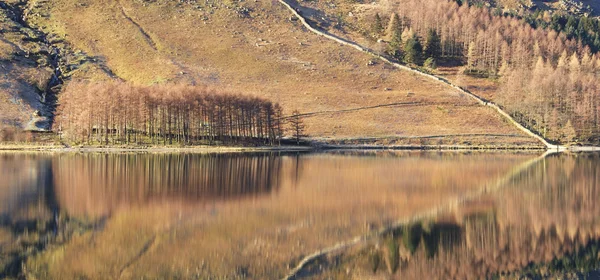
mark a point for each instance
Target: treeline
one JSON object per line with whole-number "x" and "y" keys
{"x": 557, "y": 214}
{"x": 492, "y": 45}
{"x": 584, "y": 29}
{"x": 486, "y": 43}
{"x": 120, "y": 113}
{"x": 559, "y": 101}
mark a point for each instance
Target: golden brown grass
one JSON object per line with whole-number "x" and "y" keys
{"x": 485, "y": 88}
{"x": 266, "y": 55}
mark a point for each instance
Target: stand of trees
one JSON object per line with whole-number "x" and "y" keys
{"x": 120, "y": 113}
{"x": 549, "y": 80}
{"x": 584, "y": 29}
{"x": 486, "y": 42}
{"x": 559, "y": 101}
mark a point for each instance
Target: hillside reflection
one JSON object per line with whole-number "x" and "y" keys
{"x": 256, "y": 215}
{"x": 26, "y": 189}
{"x": 544, "y": 223}
{"x": 27, "y": 205}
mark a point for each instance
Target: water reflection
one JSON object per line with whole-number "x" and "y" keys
{"x": 544, "y": 223}
{"x": 26, "y": 181}
{"x": 28, "y": 208}
{"x": 256, "y": 215}
{"x": 96, "y": 184}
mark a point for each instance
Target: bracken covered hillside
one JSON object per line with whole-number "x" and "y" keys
{"x": 254, "y": 47}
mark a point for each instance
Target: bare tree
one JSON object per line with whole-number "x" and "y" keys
{"x": 116, "y": 112}
{"x": 297, "y": 126}
{"x": 548, "y": 82}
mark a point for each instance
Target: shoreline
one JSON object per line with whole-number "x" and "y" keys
{"x": 156, "y": 149}
{"x": 240, "y": 149}
{"x": 315, "y": 146}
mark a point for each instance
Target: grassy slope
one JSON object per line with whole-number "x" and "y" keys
{"x": 269, "y": 55}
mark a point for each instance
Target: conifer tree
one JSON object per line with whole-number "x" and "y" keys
{"x": 395, "y": 37}
{"x": 413, "y": 50}
{"x": 377, "y": 27}
{"x": 433, "y": 45}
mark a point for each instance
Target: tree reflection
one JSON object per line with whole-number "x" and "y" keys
{"x": 545, "y": 221}
{"x": 533, "y": 219}
{"x": 95, "y": 183}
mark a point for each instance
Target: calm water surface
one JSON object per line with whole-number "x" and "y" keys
{"x": 439, "y": 215}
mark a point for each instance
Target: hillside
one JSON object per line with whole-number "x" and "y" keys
{"x": 25, "y": 73}
{"x": 541, "y": 68}
{"x": 575, "y": 7}
{"x": 256, "y": 48}
{"x": 34, "y": 64}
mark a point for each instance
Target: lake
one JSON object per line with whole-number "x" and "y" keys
{"x": 404, "y": 215}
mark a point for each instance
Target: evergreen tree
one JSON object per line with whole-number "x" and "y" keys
{"x": 395, "y": 35}
{"x": 413, "y": 50}
{"x": 472, "y": 56}
{"x": 433, "y": 45}
{"x": 377, "y": 26}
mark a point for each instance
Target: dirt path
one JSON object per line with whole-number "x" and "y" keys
{"x": 145, "y": 34}
{"x": 431, "y": 136}
{"x": 397, "y": 104}
{"x": 416, "y": 71}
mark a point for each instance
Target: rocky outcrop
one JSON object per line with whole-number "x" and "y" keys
{"x": 27, "y": 73}
{"x": 576, "y": 7}
{"x": 33, "y": 67}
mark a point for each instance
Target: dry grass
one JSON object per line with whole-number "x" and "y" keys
{"x": 485, "y": 88}
{"x": 266, "y": 55}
